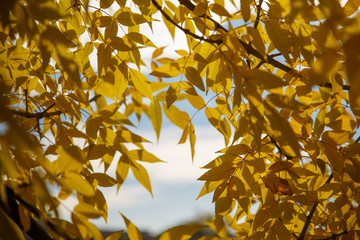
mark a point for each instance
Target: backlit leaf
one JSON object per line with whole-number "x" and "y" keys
{"x": 194, "y": 77}
{"x": 264, "y": 80}
{"x": 141, "y": 175}
{"x": 87, "y": 210}
{"x": 8, "y": 227}
{"x": 192, "y": 138}
{"x": 80, "y": 184}
{"x": 141, "y": 83}
{"x": 183, "y": 232}
{"x": 132, "y": 231}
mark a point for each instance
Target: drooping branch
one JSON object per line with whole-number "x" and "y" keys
{"x": 311, "y": 213}
{"x": 186, "y": 31}
{"x": 247, "y": 46}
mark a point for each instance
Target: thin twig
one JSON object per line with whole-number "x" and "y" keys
{"x": 247, "y": 46}
{"x": 37, "y": 115}
{"x": 334, "y": 236}
{"x": 256, "y": 23}
{"x": 309, "y": 217}
{"x": 186, "y": 31}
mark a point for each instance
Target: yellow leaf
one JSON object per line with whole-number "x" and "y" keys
{"x": 87, "y": 210}
{"x": 103, "y": 21}
{"x": 103, "y": 179}
{"x": 124, "y": 135}
{"x": 132, "y": 231}
{"x": 111, "y": 30}
{"x": 8, "y": 228}
{"x": 236, "y": 150}
{"x": 141, "y": 175}
{"x": 183, "y": 232}
{"x": 218, "y": 173}
{"x": 106, "y": 3}
{"x": 266, "y": 212}
{"x": 168, "y": 70}
{"x": 89, "y": 229}
{"x": 281, "y": 231}
{"x": 256, "y": 39}
{"x": 284, "y": 101}
{"x": 184, "y": 135}
{"x": 155, "y": 116}
{"x": 263, "y": 79}
{"x": 219, "y": 9}
{"x": 103, "y": 58}
{"x": 177, "y": 117}
{"x": 337, "y": 137}
{"x": 141, "y": 83}
{"x": 200, "y": 9}
{"x": 122, "y": 170}
{"x": 139, "y": 38}
{"x": 194, "y": 77}
{"x": 192, "y": 138}
{"x": 277, "y": 184}
{"x": 351, "y": 6}
{"x": 208, "y": 188}
{"x": 142, "y": 155}
{"x": 279, "y": 127}
{"x": 334, "y": 156}
{"x": 319, "y": 123}
{"x": 245, "y": 9}
{"x": 115, "y": 236}
{"x": 195, "y": 100}
{"x": 7, "y": 163}
{"x": 79, "y": 184}
{"x": 280, "y": 166}
{"x": 132, "y": 19}
{"x": 278, "y": 36}
{"x": 70, "y": 158}
{"x": 172, "y": 94}
{"x": 46, "y": 10}
{"x": 121, "y": 44}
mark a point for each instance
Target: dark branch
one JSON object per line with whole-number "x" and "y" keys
{"x": 94, "y": 98}
{"x": 309, "y": 217}
{"x": 186, "y": 31}
{"x": 37, "y": 115}
{"x": 334, "y": 236}
{"x": 248, "y": 47}
{"x": 256, "y": 23}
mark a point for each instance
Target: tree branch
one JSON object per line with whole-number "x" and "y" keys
{"x": 256, "y": 23}
{"x": 309, "y": 217}
{"x": 334, "y": 236}
{"x": 37, "y": 115}
{"x": 248, "y": 47}
{"x": 186, "y": 31}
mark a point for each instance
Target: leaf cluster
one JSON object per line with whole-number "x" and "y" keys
{"x": 284, "y": 80}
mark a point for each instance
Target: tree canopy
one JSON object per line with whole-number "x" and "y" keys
{"x": 285, "y": 79}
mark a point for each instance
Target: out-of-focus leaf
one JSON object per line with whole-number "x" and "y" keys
{"x": 132, "y": 231}
{"x": 183, "y": 232}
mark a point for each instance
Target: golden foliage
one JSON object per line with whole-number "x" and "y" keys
{"x": 284, "y": 88}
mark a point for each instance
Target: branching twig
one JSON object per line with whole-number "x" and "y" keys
{"x": 186, "y": 31}
{"x": 309, "y": 217}
{"x": 334, "y": 236}
{"x": 247, "y": 46}
{"x": 256, "y": 23}
{"x": 37, "y": 115}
